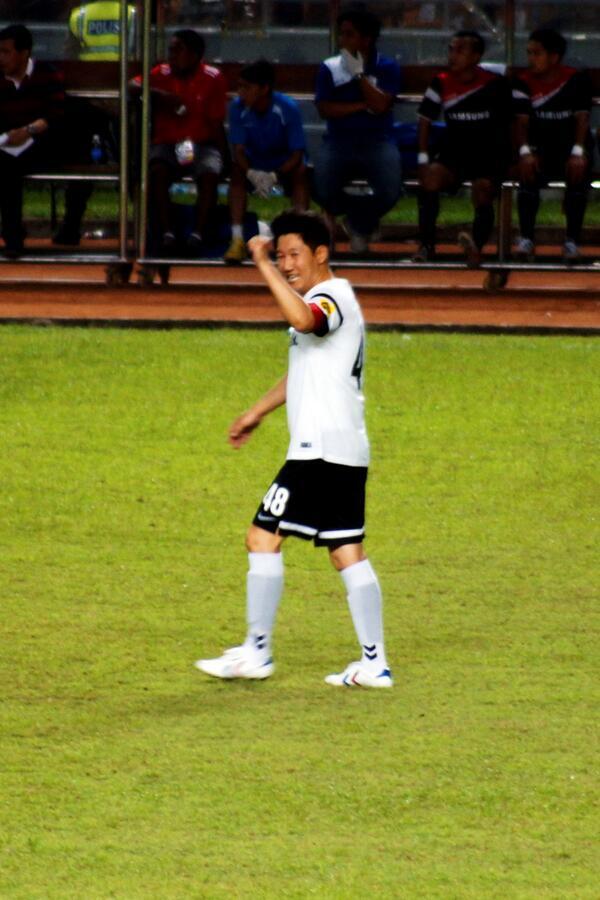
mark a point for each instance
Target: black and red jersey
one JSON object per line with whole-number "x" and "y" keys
{"x": 475, "y": 112}
{"x": 551, "y": 106}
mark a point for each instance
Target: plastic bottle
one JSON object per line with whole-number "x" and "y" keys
{"x": 185, "y": 152}
{"x": 96, "y": 152}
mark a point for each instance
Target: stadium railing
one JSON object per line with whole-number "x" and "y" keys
{"x": 89, "y": 81}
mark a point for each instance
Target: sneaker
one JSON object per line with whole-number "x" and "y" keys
{"x": 425, "y": 253}
{"x": 359, "y": 243}
{"x": 524, "y": 250}
{"x": 194, "y": 244}
{"x": 238, "y": 662}
{"x": 67, "y": 236}
{"x": 470, "y": 249}
{"x": 571, "y": 253}
{"x": 13, "y": 251}
{"x": 168, "y": 242}
{"x": 236, "y": 252}
{"x": 357, "y": 675}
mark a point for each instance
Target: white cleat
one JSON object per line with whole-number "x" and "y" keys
{"x": 239, "y": 662}
{"x": 357, "y": 675}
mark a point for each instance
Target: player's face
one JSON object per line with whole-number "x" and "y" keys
{"x": 181, "y": 59}
{"x": 297, "y": 263}
{"x": 252, "y": 95}
{"x": 540, "y": 61}
{"x": 352, "y": 40}
{"x": 462, "y": 56}
{"x": 13, "y": 62}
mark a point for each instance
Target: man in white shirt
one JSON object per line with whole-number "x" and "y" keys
{"x": 319, "y": 494}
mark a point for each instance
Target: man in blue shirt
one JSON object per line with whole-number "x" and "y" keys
{"x": 355, "y": 95}
{"x": 267, "y": 137}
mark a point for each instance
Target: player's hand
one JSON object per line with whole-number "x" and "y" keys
{"x": 355, "y": 65}
{"x": 242, "y": 428}
{"x": 253, "y": 176}
{"x": 262, "y": 182}
{"x": 17, "y": 136}
{"x": 259, "y": 247}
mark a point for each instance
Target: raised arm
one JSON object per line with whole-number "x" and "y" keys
{"x": 293, "y": 308}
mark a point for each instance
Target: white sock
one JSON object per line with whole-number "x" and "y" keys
{"x": 264, "y": 586}
{"x": 364, "y": 600}
{"x": 237, "y": 231}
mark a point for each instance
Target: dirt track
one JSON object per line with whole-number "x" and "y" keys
{"x": 400, "y": 297}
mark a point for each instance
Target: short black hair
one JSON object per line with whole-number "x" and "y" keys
{"x": 260, "y": 72}
{"x": 550, "y": 39}
{"x": 311, "y": 227}
{"x": 475, "y": 38}
{"x": 192, "y": 40}
{"x": 19, "y": 34}
{"x": 365, "y": 22}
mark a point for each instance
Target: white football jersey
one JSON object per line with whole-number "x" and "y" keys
{"x": 325, "y": 403}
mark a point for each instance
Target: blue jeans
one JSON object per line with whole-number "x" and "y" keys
{"x": 340, "y": 160}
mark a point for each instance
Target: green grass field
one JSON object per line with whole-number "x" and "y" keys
{"x": 457, "y": 210}
{"x": 125, "y": 773}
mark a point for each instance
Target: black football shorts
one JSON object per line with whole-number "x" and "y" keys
{"x": 316, "y": 500}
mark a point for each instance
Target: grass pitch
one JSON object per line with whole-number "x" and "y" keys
{"x": 125, "y": 773}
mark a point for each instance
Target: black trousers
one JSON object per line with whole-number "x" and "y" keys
{"x": 12, "y": 172}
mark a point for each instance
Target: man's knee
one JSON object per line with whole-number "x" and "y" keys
{"x": 483, "y": 192}
{"x": 346, "y": 555}
{"x": 434, "y": 178}
{"x": 260, "y": 541}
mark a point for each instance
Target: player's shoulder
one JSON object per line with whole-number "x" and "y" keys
{"x": 579, "y": 78}
{"x": 337, "y": 291}
{"x": 285, "y": 102}
{"x": 492, "y": 75}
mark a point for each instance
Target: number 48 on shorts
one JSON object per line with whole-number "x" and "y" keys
{"x": 275, "y": 500}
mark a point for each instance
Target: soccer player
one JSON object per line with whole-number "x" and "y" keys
{"x": 267, "y": 137}
{"x": 553, "y": 104}
{"x": 319, "y": 494}
{"x": 355, "y": 95}
{"x": 476, "y": 105}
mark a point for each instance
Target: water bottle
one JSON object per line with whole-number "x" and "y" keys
{"x": 185, "y": 152}
{"x": 96, "y": 152}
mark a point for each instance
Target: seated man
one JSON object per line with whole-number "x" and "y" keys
{"x": 31, "y": 104}
{"x": 188, "y": 136}
{"x": 355, "y": 94}
{"x": 553, "y": 104}
{"x": 266, "y": 133}
{"x": 476, "y": 105}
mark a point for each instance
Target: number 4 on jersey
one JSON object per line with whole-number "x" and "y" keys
{"x": 358, "y": 364}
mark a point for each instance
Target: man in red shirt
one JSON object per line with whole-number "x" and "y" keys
{"x": 188, "y": 137}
